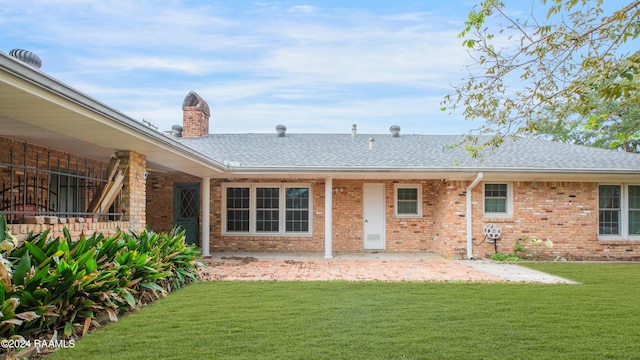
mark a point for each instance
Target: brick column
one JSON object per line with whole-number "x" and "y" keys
{"x": 134, "y": 193}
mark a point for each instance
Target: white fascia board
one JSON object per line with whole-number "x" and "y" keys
{"x": 582, "y": 175}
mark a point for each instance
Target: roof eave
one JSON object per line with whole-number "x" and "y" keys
{"x": 452, "y": 173}
{"x": 119, "y": 120}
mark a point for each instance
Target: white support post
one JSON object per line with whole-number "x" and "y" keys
{"x": 206, "y": 214}
{"x": 328, "y": 218}
{"x": 470, "y": 215}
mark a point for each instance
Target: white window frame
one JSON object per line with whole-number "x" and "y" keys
{"x": 282, "y": 213}
{"x": 624, "y": 214}
{"x": 395, "y": 200}
{"x": 509, "y": 201}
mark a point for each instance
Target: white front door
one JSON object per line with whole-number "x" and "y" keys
{"x": 374, "y": 217}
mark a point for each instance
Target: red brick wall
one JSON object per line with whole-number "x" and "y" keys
{"x": 195, "y": 122}
{"x": 195, "y": 116}
{"x": 402, "y": 233}
{"x": 159, "y": 199}
{"x": 133, "y": 166}
{"x": 315, "y": 242}
{"x": 564, "y": 212}
{"x": 450, "y": 220}
{"x": 76, "y": 229}
{"x": 347, "y": 215}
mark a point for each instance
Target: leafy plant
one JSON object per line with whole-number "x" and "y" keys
{"x": 527, "y": 67}
{"x": 527, "y": 247}
{"x": 64, "y": 284}
{"x": 503, "y": 257}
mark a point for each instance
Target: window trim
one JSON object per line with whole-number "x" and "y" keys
{"x": 624, "y": 214}
{"x": 509, "y": 201}
{"x": 282, "y": 211}
{"x": 419, "y": 200}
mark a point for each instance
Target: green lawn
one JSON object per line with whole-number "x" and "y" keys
{"x": 376, "y": 320}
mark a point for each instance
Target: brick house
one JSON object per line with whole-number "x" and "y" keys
{"x": 314, "y": 192}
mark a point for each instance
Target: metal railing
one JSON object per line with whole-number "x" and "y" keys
{"x": 49, "y": 185}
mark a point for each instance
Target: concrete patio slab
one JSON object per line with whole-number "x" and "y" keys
{"x": 365, "y": 266}
{"x": 515, "y": 273}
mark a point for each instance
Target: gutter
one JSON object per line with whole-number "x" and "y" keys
{"x": 470, "y": 216}
{"x": 237, "y": 166}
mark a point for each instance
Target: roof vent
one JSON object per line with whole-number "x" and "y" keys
{"x": 28, "y": 57}
{"x": 395, "y": 130}
{"x": 281, "y": 130}
{"x": 176, "y": 130}
{"x": 354, "y": 131}
{"x": 371, "y": 143}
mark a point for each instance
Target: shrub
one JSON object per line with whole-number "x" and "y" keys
{"x": 503, "y": 257}
{"x": 527, "y": 247}
{"x": 63, "y": 285}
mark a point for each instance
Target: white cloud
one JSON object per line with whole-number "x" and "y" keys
{"x": 187, "y": 65}
{"x": 256, "y": 64}
{"x": 307, "y": 9}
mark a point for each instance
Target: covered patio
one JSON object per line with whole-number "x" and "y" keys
{"x": 367, "y": 266}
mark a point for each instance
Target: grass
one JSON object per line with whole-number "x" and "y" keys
{"x": 376, "y": 320}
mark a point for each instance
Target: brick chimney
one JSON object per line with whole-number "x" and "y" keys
{"x": 195, "y": 118}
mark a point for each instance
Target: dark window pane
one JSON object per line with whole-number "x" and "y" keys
{"x": 609, "y": 214}
{"x": 238, "y": 220}
{"x": 407, "y": 201}
{"x": 634, "y": 197}
{"x": 267, "y": 209}
{"x": 297, "y": 210}
{"x": 408, "y": 194}
{"x": 609, "y": 196}
{"x": 495, "y": 198}
{"x": 609, "y": 222}
{"x": 634, "y": 222}
{"x": 495, "y": 190}
{"x": 238, "y": 209}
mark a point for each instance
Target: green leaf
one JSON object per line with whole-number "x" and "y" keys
{"x": 91, "y": 265}
{"x": 3, "y": 228}
{"x": 35, "y": 251}
{"x": 129, "y": 298}
{"x": 22, "y": 269}
{"x": 26, "y": 299}
{"x": 67, "y": 235}
{"x": 84, "y": 258}
{"x": 68, "y": 329}
{"x": 152, "y": 286}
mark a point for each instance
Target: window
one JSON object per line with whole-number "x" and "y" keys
{"x": 64, "y": 191}
{"x": 619, "y": 211}
{"x": 267, "y": 209}
{"x": 609, "y": 206}
{"x": 408, "y": 200}
{"x": 497, "y": 200}
{"x": 237, "y": 209}
{"x": 297, "y": 208}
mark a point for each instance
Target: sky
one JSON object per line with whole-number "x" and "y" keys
{"x": 314, "y": 66}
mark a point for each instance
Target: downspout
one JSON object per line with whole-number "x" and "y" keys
{"x": 469, "y": 215}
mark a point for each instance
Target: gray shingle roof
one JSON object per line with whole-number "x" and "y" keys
{"x": 341, "y": 151}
